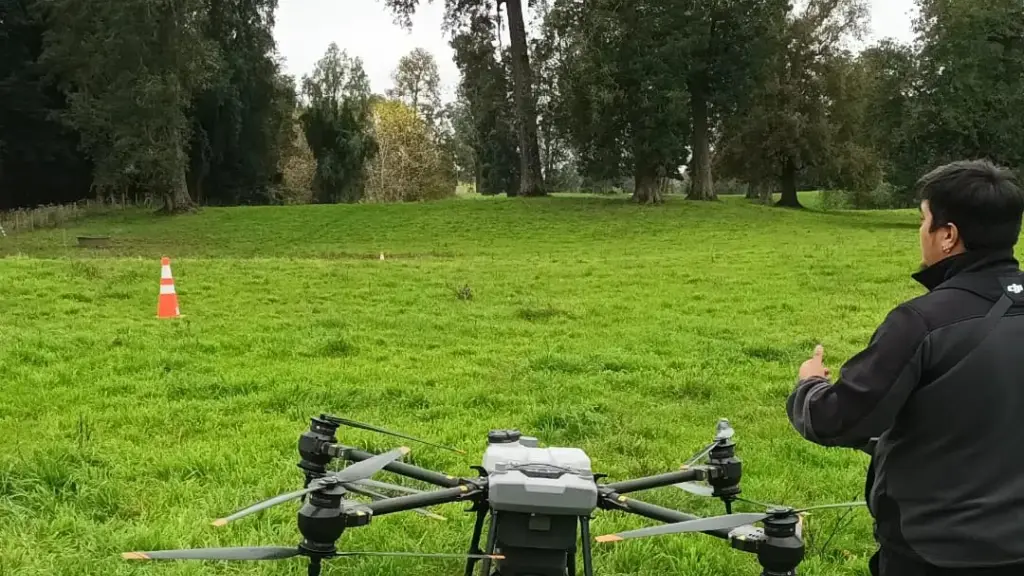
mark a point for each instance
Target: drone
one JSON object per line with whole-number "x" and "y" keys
{"x": 536, "y": 499}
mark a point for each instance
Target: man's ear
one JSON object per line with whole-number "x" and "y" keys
{"x": 951, "y": 240}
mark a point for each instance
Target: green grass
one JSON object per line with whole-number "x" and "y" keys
{"x": 624, "y": 330}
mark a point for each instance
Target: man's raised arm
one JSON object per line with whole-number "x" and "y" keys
{"x": 871, "y": 389}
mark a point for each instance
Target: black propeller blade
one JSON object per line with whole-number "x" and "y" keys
{"x": 278, "y": 553}
{"x": 358, "y": 471}
{"x": 368, "y": 427}
{"x": 727, "y": 522}
{"x": 358, "y": 489}
{"x": 251, "y": 553}
{"x": 385, "y": 486}
{"x": 425, "y": 555}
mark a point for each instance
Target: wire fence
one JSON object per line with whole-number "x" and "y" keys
{"x": 56, "y": 215}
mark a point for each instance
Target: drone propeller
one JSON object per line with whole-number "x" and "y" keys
{"x": 695, "y": 488}
{"x": 723, "y": 432}
{"x": 356, "y": 489}
{"x": 727, "y": 522}
{"x": 277, "y": 553}
{"x": 245, "y": 553}
{"x": 385, "y": 486}
{"x": 700, "y": 455}
{"x": 359, "y": 471}
{"x": 360, "y": 425}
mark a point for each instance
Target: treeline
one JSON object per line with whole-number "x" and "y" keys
{"x": 762, "y": 96}
{"x": 185, "y": 101}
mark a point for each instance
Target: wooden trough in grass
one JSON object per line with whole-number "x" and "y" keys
{"x": 93, "y": 241}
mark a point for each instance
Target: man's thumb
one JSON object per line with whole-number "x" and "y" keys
{"x": 819, "y": 351}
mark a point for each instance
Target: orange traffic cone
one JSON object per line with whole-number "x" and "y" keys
{"x": 167, "y": 306}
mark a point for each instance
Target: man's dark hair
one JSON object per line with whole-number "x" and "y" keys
{"x": 982, "y": 199}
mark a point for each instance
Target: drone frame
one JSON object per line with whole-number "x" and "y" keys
{"x": 326, "y": 515}
{"x": 779, "y": 546}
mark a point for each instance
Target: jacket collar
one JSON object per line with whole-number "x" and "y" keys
{"x": 971, "y": 261}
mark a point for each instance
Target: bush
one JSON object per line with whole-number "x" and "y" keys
{"x": 409, "y": 165}
{"x": 883, "y": 197}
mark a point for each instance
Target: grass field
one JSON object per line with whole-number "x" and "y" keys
{"x": 624, "y": 330}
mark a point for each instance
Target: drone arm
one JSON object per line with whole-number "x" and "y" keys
{"x": 609, "y": 500}
{"x": 401, "y": 468}
{"x": 414, "y": 501}
{"x": 659, "y": 481}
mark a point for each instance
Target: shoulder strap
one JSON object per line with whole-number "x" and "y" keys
{"x": 1013, "y": 293}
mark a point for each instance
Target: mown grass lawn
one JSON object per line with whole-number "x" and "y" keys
{"x": 624, "y": 330}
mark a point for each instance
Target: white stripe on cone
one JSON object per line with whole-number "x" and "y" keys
{"x": 167, "y": 288}
{"x": 165, "y": 271}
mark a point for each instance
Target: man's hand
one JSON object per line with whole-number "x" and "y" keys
{"x": 814, "y": 366}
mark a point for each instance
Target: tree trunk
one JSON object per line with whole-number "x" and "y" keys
{"x": 753, "y": 190}
{"x": 646, "y": 184}
{"x": 531, "y": 182}
{"x": 789, "y": 198}
{"x": 763, "y": 192}
{"x": 702, "y": 187}
{"x": 478, "y": 177}
{"x": 176, "y": 198}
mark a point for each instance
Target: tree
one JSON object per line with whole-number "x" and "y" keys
{"x": 971, "y": 85}
{"x": 40, "y": 162}
{"x": 336, "y": 123}
{"x": 531, "y": 182}
{"x": 243, "y": 119}
{"x": 130, "y": 69}
{"x": 418, "y": 84}
{"x": 408, "y": 165}
{"x": 892, "y": 83}
{"x": 624, "y": 106}
{"x": 727, "y": 45}
{"x": 459, "y": 137}
{"x": 557, "y": 157}
{"x": 487, "y": 94}
{"x": 804, "y": 117}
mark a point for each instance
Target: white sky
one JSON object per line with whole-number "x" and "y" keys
{"x": 365, "y": 28}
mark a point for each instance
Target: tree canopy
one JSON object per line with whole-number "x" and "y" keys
{"x": 185, "y": 102}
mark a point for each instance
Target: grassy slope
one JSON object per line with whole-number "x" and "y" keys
{"x": 626, "y": 331}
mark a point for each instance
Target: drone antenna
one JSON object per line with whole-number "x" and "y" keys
{"x": 368, "y": 427}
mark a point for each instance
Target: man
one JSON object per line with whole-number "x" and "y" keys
{"x": 937, "y": 397}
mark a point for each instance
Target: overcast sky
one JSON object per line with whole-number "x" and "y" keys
{"x": 364, "y": 28}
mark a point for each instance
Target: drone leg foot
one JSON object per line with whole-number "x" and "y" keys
{"x": 314, "y": 567}
{"x": 474, "y": 545}
{"x": 492, "y": 534}
{"x": 588, "y": 563}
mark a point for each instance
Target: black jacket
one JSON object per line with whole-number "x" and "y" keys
{"x": 946, "y": 482}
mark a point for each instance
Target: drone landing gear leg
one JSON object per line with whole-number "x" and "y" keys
{"x": 492, "y": 535}
{"x": 474, "y": 546}
{"x": 588, "y": 562}
{"x": 314, "y": 566}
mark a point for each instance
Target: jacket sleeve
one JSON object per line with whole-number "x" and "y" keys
{"x": 872, "y": 387}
